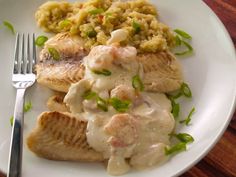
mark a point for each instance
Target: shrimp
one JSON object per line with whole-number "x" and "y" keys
{"x": 123, "y": 130}
{"x": 104, "y": 57}
{"x": 126, "y": 57}
{"x": 125, "y": 92}
{"x": 100, "y": 57}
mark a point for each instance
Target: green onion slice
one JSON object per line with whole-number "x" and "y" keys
{"x": 11, "y": 120}
{"x": 188, "y": 119}
{"x": 137, "y": 83}
{"x": 186, "y": 90}
{"x": 172, "y": 97}
{"x": 88, "y": 95}
{"x": 175, "y": 110}
{"x": 102, "y": 104}
{"x": 175, "y": 106}
{"x": 9, "y": 26}
{"x": 104, "y": 72}
{"x": 183, "y": 34}
{"x": 176, "y": 148}
{"x": 177, "y": 95}
{"x": 54, "y": 53}
{"x": 119, "y": 105}
{"x": 27, "y": 106}
{"x": 177, "y": 40}
{"x": 184, "y": 137}
{"x": 108, "y": 14}
{"x": 92, "y": 33}
{"x": 188, "y": 51}
{"x": 96, "y": 11}
{"x": 64, "y": 23}
{"x": 136, "y": 26}
{"x": 41, "y": 40}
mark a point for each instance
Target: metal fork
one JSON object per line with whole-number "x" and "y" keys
{"x": 22, "y": 78}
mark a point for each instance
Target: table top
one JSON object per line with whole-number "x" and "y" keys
{"x": 221, "y": 160}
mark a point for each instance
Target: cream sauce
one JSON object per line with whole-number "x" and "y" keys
{"x": 119, "y": 61}
{"x": 141, "y": 133}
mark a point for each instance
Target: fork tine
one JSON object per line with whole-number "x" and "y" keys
{"x": 21, "y": 59}
{"x": 27, "y": 58}
{"x": 34, "y": 49}
{"x": 16, "y": 54}
{"x": 33, "y": 60}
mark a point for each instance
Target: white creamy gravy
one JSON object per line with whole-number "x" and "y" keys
{"x": 149, "y": 120}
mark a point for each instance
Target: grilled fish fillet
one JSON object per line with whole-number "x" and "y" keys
{"x": 162, "y": 72}
{"x": 61, "y": 136}
{"x": 58, "y": 75}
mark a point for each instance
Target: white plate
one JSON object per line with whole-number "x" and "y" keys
{"x": 211, "y": 74}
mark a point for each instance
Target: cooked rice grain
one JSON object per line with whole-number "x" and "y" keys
{"x": 94, "y": 20}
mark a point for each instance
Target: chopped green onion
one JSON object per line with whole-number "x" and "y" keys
{"x": 186, "y": 90}
{"x": 11, "y": 120}
{"x": 27, "y": 106}
{"x": 108, "y": 14}
{"x": 96, "y": 11}
{"x": 176, "y": 96}
{"x": 64, "y": 23}
{"x": 104, "y": 72}
{"x": 175, "y": 110}
{"x": 188, "y": 119}
{"x": 119, "y": 105}
{"x": 177, "y": 40}
{"x": 54, "y": 53}
{"x": 183, "y": 34}
{"x": 136, "y": 26}
{"x": 102, "y": 104}
{"x": 188, "y": 51}
{"x": 41, "y": 40}
{"x": 88, "y": 95}
{"x": 184, "y": 137}
{"x": 92, "y": 33}
{"x": 137, "y": 83}
{"x": 9, "y": 26}
{"x": 176, "y": 148}
{"x": 175, "y": 106}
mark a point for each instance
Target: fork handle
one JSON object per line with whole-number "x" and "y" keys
{"x": 15, "y": 156}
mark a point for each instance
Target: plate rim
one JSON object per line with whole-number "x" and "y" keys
{"x": 229, "y": 114}
{"x": 232, "y": 106}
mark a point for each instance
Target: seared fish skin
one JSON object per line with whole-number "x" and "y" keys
{"x": 61, "y": 136}
{"x": 162, "y": 72}
{"x": 59, "y": 74}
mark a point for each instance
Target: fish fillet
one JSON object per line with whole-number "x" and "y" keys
{"x": 59, "y": 75}
{"x": 61, "y": 136}
{"x": 162, "y": 72}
